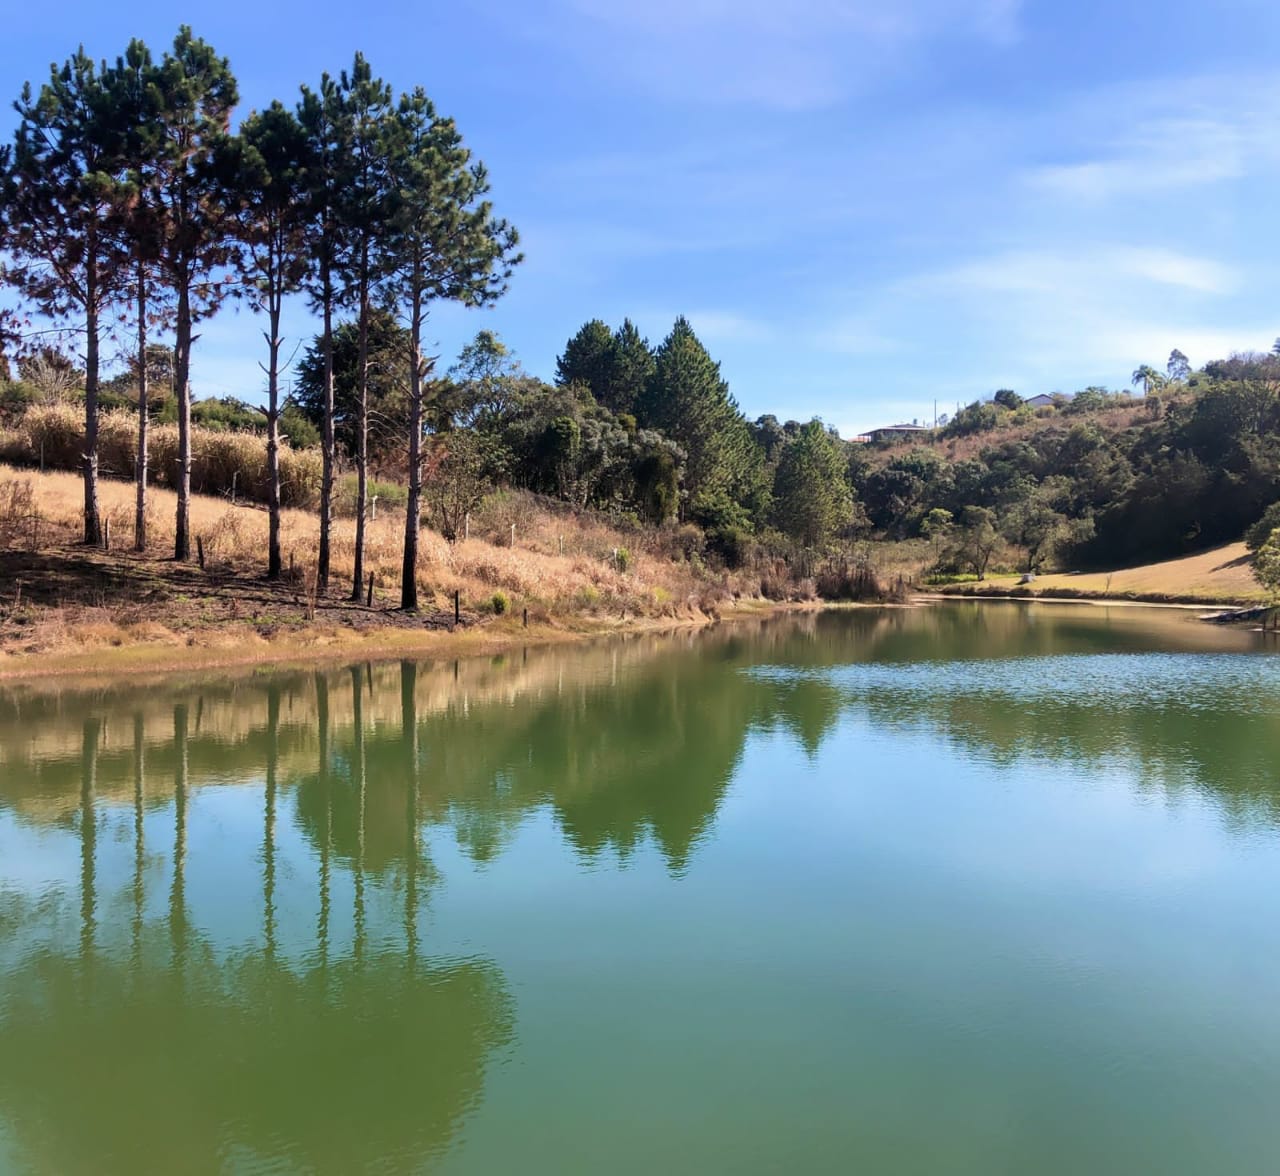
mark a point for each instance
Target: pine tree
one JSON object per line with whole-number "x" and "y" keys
{"x": 688, "y": 400}
{"x": 447, "y": 245}
{"x": 132, "y": 81}
{"x": 364, "y": 206}
{"x": 630, "y": 371}
{"x": 59, "y": 193}
{"x": 271, "y": 217}
{"x": 195, "y": 94}
{"x": 588, "y": 360}
{"x": 324, "y": 120}
{"x": 811, "y": 499}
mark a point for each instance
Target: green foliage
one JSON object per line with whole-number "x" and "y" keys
{"x": 297, "y": 428}
{"x": 1147, "y": 378}
{"x": 389, "y": 351}
{"x": 977, "y": 539}
{"x": 227, "y": 414}
{"x": 1266, "y": 564}
{"x": 1178, "y": 369}
{"x": 657, "y": 478}
{"x": 687, "y": 400}
{"x": 623, "y": 559}
{"x": 499, "y": 603}
{"x": 615, "y": 368}
{"x": 1034, "y": 525}
{"x": 1257, "y": 535}
{"x": 1095, "y": 399}
{"x": 811, "y": 500}
{"x": 974, "y": 418}
{"x": 631, "y": 371}
{"x": 587, "y": 360}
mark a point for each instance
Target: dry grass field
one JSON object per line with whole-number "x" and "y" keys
{"x": 59, "y": 600}
{"x": 1221, "y": 576}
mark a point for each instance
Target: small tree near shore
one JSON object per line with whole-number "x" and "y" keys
{"x": 1266, "y": 564}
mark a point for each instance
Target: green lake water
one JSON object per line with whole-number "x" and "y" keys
{"x": 973, "y": 888}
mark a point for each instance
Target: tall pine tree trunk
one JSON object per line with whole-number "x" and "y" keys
{"x": 92, "y": 521}
{"x": 327, "y": 443}
{"x": 362, "y": 439}
{"x": 144, "y": 413}
{"x": 413, "y": 504}
{"x": 273, "y": 440}
{"x": 182, "y": 382}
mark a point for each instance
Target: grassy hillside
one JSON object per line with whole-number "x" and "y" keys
{"x": 1221, "y": 576}
{"x": 59, "y": 600}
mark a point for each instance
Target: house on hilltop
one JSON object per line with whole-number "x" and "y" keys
{"x": 1048, "y": 399}
{"x": 893, "y": 432}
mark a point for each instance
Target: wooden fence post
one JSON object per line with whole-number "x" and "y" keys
{"x": 457, "y": 606}
{"x": 200, "y": 550}
{"x": 369, "y": 599}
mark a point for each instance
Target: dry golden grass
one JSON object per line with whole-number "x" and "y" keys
{"x": 566, "y": 570}
{"x": 1221, "y": 576}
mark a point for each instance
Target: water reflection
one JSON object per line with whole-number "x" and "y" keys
{"x": 307, "y": 1022}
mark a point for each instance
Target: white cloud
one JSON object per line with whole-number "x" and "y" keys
{"x": 729, "y": 326}
{"x": 1089, "y": 273}
{"x": 1038, "y": 319}
{"x": 1143, "y": 140}
{"x": 794, "y": 56}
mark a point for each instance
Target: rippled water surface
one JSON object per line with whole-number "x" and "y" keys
{"x": 966, "y": 889}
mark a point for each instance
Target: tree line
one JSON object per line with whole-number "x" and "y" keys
{"x": 126, "y": 195}
{"x": 1102, "y": 480}
{"x": 125, "y": 187}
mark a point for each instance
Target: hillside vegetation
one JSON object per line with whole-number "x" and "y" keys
{"x": 572, "y": 574}
{"x": 135, "y": 202}
{"x": 1103, "y": 481}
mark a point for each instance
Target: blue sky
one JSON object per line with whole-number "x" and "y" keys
{"x": 862, "y": 207}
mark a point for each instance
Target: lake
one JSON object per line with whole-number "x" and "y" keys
{"x": 970, "y": 888}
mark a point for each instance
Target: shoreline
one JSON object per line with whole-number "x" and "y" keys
{"x": 1096, "y": 601}
{"x": 246, "y": 652}
{"x": 108, "y": 664}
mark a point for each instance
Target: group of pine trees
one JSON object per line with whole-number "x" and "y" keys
{"x": 737, "y": 477}
{"x": 125, "y": 192}
{"x": 127, "y": 196}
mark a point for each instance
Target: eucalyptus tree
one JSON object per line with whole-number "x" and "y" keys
{"x": 194, "y": 94}
{"x": 270, "y": 183}
{"x": 363, "y": 210}
{"x": 58, "y": 199}
{"x": 447, "y": 245}
{"x": 323, "y": 118}
{"x": 132, "y": 82}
